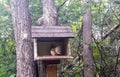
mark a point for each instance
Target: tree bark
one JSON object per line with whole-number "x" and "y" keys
{"x": 87, "y": 40}
{"x": 22, "y": 32}
{"x": 49, "y": 17}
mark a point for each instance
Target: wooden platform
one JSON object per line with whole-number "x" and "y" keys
{"x": 53, "y": 57}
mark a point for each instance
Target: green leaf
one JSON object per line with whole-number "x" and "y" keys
{"x": 13, "y": 75}
{"x": 77, "y": 75}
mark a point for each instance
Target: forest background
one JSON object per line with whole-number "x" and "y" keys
{"x": 105, "y": 30}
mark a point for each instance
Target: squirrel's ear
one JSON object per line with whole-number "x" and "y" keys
{"x": 52, "y": 52}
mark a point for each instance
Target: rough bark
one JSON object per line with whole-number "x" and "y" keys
{"x": 22, "y": 33}
{"x": 49, "y": 17}
{"x": 87, "y": 40}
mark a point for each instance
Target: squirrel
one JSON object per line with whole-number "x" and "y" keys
{"x": 56, "y": 51}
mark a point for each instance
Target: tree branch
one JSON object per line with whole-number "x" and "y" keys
{"x": 61, "y": 5}
{"x": 117, "y": 61}
{"x": 114, "y": 13}
{"x": 100, "y": 51}
{"x": 111, "y": 31}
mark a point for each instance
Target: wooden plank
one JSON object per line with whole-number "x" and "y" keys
{"x": 51, "y": 61}
{"x": 51, "y": 27}
{"x": 53, "y": 57}
{"x": 35, "y": 34}
{"x": 51, "y": 30}
{"x": 52, "y": 33}
{"x": 33, "y": 28}
{"x": 51, "y": 70}
{"x": 67, "y": 44}
{"x": 53, "y": 39}
{"x": 35, "y": 48}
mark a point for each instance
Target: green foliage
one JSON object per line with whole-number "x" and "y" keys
{"x": 35, "y": 10}
{"x": 76, "y": 27}
{"x": 7, "y": 45}
{"x": 105, "y": 15}
{"x": 70, "y": 13}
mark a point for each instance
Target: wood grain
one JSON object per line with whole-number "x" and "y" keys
{"x": 52, "y": 31}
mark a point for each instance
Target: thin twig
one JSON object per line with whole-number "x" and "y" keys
{"x": 111, "y": 31}
{"x": 104, "y": 22}
{"x": 100, "y": 50}
{"x": 61, "y": 5}
{"x": 115, "y": 14}
{"x": 117, "y": 61}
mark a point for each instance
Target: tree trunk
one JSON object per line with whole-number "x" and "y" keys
{"x": 49, "y": 17}
{"x": 87, "y": 40}
{"x": 22, "y": 32}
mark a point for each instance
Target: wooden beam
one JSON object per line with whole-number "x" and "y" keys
{"x": 68, "y": 51}
{"x": 51, "y": 62}
{"x": 52, "y": 31}
{"x": 35, "y": 48}
{"x": 53, "y": 57}
{"x": 51, "y": 70}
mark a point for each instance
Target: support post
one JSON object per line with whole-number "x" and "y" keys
{"x": 35, "y": 48}
{"x": 51, "y": 70}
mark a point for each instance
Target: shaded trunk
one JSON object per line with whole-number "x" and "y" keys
{"x": 87, "y": 40}
{"x": 22, "y": 32}
{"x": 49, "y": 17}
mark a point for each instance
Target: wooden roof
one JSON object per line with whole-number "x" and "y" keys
{"x": 52, "y": 31}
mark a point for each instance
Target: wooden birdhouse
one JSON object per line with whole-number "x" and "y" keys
{"x": 51, "y": 42}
